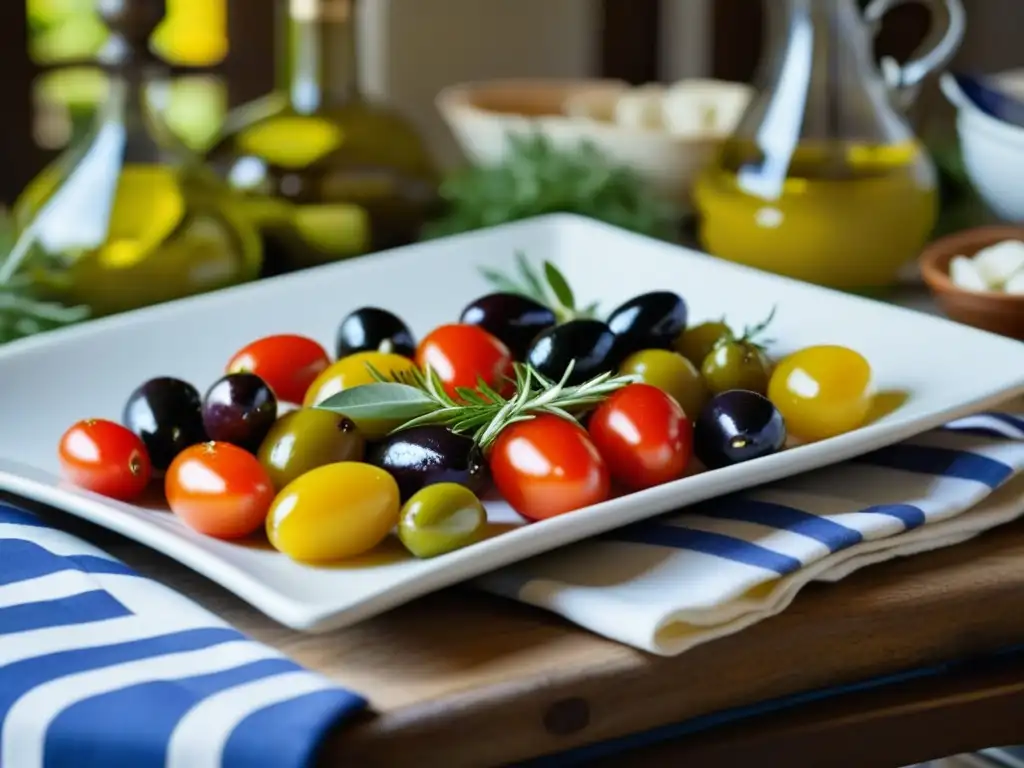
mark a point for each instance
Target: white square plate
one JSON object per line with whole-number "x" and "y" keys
{"x": 50, "y": 381}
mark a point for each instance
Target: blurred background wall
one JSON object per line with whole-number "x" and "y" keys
{"x": 223, "y": 51}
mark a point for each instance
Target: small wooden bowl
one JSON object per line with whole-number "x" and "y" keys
{"x": 990, "y": 311}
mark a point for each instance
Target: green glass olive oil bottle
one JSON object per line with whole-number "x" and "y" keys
{"x": 327, "y": 172}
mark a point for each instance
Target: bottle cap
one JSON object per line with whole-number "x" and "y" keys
{"x": 320, "y": 10}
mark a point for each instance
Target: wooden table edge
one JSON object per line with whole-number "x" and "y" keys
{"x": 969, "y": 708}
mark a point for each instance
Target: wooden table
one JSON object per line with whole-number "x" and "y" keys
{"x": 467, "y": 679}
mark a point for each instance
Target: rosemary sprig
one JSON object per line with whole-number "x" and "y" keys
{"x": 22, "y": 312}
{"x": 21, "y": 315}
{"x": 481, "y": 413}
{"x": 550, "y": 289}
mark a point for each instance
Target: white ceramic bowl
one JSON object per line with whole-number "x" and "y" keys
{"x": 993, "y": 151}
{"x": 668, "y": 134}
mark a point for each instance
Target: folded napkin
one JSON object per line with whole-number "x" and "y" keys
{"x": 674, "y": 582}
{"x": 101, "y": 668}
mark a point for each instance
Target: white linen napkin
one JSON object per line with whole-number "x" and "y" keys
{"x": 677, "y": 581}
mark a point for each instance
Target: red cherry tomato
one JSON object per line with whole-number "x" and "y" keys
{"x": 219, "y": 489}
{"x": 643, "y": 435}
{"x": 460, "y": 354}
{"x": 288, "y": 363}
{"x": 547, "y": 466}
{"x": 105, "y": 458}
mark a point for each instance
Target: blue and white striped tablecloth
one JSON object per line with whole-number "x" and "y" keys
{"x": 674, "y": 582}
{"x": 103, "y": 668}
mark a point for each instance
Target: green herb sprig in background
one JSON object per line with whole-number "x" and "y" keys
{"x": 537, "y": 178}
{"x": 22, "y": 311}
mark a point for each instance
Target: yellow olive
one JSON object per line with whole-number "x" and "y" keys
{"x": 441, "y": 518}
{"x": 306, "y": 439}
{"x": 351, "y": 371}
{"x": 673, "y": 374}
{"x": 334, "y": 512}
{"x": 696, "y": 343}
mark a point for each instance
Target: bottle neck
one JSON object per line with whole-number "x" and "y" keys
{"x": 318, "y": 61}
{"x": 830, "y": 35}
{"x": 818, "y": 72}
{"x": 126, "y": 111}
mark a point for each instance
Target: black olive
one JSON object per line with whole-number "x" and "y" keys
{"x": 649, "y": 321}
{"x": 514, "y": 319}
{"x": 167, "y": 414}
{"x": 240, "y": 409}
{"x": 372, "y": 329}
{"x": 589, "y": 342}
{"x": 738, "y": 426}
{"x": 426, "y": 455}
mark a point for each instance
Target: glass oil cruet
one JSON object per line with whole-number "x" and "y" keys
{"x": 127, "y": 216}
{"x": 823, "y": 179}
{"x": 328, "y": 172}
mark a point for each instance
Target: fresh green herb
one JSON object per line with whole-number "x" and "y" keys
{"x": 400, "y": 402}
{"x": 22, "y": 311}
{"x": 552, "y": 290}
{"x": 481, "y": 413}
{"x": 753, "y": 335}
{"x": 536, "y": 177}
{"x": 560, "y": 286}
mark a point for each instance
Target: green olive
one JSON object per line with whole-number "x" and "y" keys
{"x": 305, "y": 439}
{"x": 696, "y": 343}
{"x": 441, "y": 518}
{"x": 673, "y": 374}
{"x": 736, "y": 365}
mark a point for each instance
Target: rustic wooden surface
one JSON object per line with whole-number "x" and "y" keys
{"x": 467, "y": 679}
{"x": 905, "y": 724}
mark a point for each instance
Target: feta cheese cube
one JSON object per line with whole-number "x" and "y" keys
{"x": 964, "y": 274}
{"x": 641, "y": 108}
{"x": 1015, "y": 285}
{"x": 997, "y": 263}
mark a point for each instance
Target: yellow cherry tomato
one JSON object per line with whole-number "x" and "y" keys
{"x": 822, "y": 391}
{"x": 351, "y": 371}
{"x": 671, "y": 373}
{"x": 334, "y": 512}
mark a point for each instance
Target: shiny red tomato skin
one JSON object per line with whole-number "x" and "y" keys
{"x": 643, "y": 435}
{"x": 287, "y": 362}
{"x": 219, "y": 489}
{"x": 460, "y": 354}
{"x": 106, "y": 458}
{"x": 548, "y": 466}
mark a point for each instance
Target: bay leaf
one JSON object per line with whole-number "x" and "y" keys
{"x": 379, "y": 408}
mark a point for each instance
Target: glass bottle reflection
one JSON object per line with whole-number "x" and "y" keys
{"x": 128, "y": 217}
{"x": 823, "y": 179}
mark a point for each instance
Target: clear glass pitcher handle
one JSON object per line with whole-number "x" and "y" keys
{"x": 935, "y": 52}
